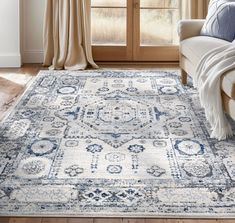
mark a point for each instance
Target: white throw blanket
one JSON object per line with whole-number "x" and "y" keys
{"x": 208, "y": 75}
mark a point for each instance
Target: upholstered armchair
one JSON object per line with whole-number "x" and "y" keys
{"x": 192, "y": 48}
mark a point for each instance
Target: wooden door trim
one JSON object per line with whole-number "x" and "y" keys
{"x": 133, "y": 51}
{"x": 118, "y": 53}
{"x": 150, "y": 53}
{"x": 110, "y": 53}
{"x": 136, "y": 29}
{"x": 158, "y": 53}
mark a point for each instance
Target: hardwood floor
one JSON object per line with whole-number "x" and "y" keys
{"x": 109, "y": 220}
{"x": 10, "y": 90}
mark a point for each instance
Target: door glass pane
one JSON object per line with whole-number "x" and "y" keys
{"x": 108, "y": 26}
{"x": 159, "y": 3}
{"x": 105, "y": 3}
{"x": 158, "y": 22}
{"x": 109, "y": 22}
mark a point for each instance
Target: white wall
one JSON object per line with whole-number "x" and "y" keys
{"x": 10, "y": 33}
{"x": 32, "y": 30}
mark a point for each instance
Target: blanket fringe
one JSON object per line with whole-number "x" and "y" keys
{"x": 207, "y": 80}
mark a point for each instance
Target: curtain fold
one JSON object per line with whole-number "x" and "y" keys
{"x": 194, "y": 9}
{"x": 199, "y": 8}
{"x": 67, "y": 35}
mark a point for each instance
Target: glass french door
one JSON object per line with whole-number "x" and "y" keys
{"x": 135, "y": 30}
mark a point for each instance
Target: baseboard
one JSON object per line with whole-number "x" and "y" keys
{"x": 33, "y": 56}
{"x": 10, "y": 60}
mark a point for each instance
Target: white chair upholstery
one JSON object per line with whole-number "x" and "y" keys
{"x": 192, "y": 48}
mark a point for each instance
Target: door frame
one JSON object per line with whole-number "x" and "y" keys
{"x": 150, "y": 53}
{"x": 118, "y": 53}
{"x": 133, "y": 51}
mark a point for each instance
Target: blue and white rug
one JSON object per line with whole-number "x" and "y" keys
{"x": 113, "y": 144}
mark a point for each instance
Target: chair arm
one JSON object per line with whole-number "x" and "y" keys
{"x": 190, "y": 28}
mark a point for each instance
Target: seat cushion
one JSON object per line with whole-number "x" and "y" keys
{"x": 196, "y": 47}
{"x": 193, "y": 49}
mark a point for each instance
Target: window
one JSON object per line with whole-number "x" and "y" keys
{"x": 135, "y": 30}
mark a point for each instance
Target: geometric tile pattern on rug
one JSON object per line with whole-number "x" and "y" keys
{"x": 113, "y": 143}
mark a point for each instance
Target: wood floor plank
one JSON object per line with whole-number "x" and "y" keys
{"x": 4, "y": 220}
{"x": 133, "y": 220}
{"x": 164, "y": 221}
{"x": 155, "y": 221}
{"x": 173, "y": 221}
{"x": 25, "y": 220}
{"x": 54, "y": 220}
{"x": 80, "y": 220}
{"x": 204, "y": 221}
{"x": 108, "y": 220}
{"x": 191, "y": 221}
{"x": 226, "y": 221}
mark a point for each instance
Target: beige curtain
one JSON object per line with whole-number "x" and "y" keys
{"x": 194, "y": 9}
{"x": 67, "y": 35}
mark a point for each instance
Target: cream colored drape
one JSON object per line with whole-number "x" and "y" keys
{"x": 194, "y": 9}
{"x": 67, "y": 35}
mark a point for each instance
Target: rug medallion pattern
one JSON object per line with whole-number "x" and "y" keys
{"x": 113, "y": 143}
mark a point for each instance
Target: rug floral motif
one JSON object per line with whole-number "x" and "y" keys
{"x": 113, "y": 143}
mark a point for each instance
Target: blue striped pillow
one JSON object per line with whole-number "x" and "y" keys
{"x": 220, "y": 21}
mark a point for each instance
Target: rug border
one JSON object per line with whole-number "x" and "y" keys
{"x": 132, "y": 216}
